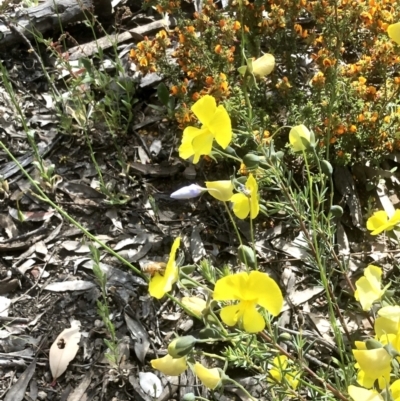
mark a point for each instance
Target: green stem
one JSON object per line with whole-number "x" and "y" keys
{"x": 43, "y": 197}
{"x": 229, "y": 380}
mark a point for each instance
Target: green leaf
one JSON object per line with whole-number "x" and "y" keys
{"x": 163, "y": 93}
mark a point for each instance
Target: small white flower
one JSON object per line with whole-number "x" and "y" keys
{"x": 191, "y": 191}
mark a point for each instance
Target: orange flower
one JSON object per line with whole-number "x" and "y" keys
{"x": 218, "y": 49}
{"x": 209, "y": 80}
{"x": 353, "y": 128}
{"x": 132, "y": 54}
{"x": 196, "y": 96}
{"x": 190, "y": 29}
{"x": 236, "y": 25}
{"x": 174, "y": 90}
{"x": 222, "y": 23}
{"x": 362, "y": 80}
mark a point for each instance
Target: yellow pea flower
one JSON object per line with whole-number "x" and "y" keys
{"x": 245, "y": 203}
{"x": 387, "y": 322}
{"x": 395, "y": 390}
{"x": 373, "y": 364}
{"x": 169, "y": 366}
{"x": 369, "y": 287}
{"x": 380, "y": 222}
{"x": 362, "y": 394}
{"x": 279, "y": 372}
{"x": 160, "y": 284}
{"x": 195, "y": 305}
{"x": 211, "y": 378}
{"x": 250, "y": 289}
{"x": 221, "y": 190}
{"x": 264, "y": 65}
{"x": 394, "y": 32}
{"x": 300, "y": 138}
{"x": 216, "y": 124}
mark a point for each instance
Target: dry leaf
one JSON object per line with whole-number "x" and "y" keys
{"x": 64, "y": 349}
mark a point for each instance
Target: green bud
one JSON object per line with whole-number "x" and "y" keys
{"x": 326, "y": 168}
{"x": 209, "y": 333}
{"x": 247, "y": 256}
{"x": 181, "y": 346}
{"x": 251, "y": 160}
{"x": 285, "y": 337}
{"x": 189, "y": 397}
{"x": 373, "y": 344}
{"x": 392, "y": 351}
{"x": 337, "y": 211}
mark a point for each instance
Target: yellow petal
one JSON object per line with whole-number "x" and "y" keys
{"x": 383, "y": 327}
{"x": 395, "y": 389}
{"x": 231, "y": 314}
{"x": 186, "y": 147}
{"x": 394, "y": 32}
{"x": 170, "y": 366}
{"x": 241, "y": 205}
{"x": 390, "y": 312}
{"x": 195, "y": 305}
{"x": 202, "y": 145}
{"x": 369, "y": 287}
{"x": 209, "y": 377}
{"x": 362, "y": 394}
{"x": 377, "y": 222}
{"x": 204, "y": 109}
{"x": 267, "y": 292}
{"x": 221, "y": 190}
{"x": 263, "y": 65}
{"x": 221, "y": 128}
{"x": 231, "y": 287}
{"x": 252, "y": 186}
{"x": 161, "y": 284}
{"x": 295, "y": 137}
{"x": 253, "y": 322}
{"x": 364, "y": 380}
{"x": 395, "y": 219}
{"x": 374, "y": 362}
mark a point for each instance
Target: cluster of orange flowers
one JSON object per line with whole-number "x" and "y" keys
{"x": 148, "y": 52}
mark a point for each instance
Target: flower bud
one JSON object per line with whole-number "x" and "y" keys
{"x": 251, "y": 160}
{"x": 189, "y": 397}
{"x": 326, "y": 168}
{"x": 337, "y": 211}
{"x": 191, "y": 191}
{"x": 195, "y": 305}
{"x": 247, "y": 256}
{"x": 181, "y": 346}
{"x": 373, "y": 344}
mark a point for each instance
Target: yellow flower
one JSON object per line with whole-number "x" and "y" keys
{"x": 221, "y": 190}
{"x": 245, "y": 203}
{"x": 380, "y": 221}
{"x": 209, "y": 377}
{"x": 374, "y": 364}
{"x": 216, "y": 124}
{"x": 250, "y": 290}
{"x": 394, "y": 32}
{"x": 160, "y": 284}
{"x": 369, "y": 288}
{"x": 387, "y": 322}
{"x": 395, "y": 390}
{"x": 362, "y": 394}
{"x": 195, "y": 305}
{"x": 300, "y": 138}
{"x": 263, "y": 65}
{"x": 170, "y": 366}
{"x": 279, "y": 372}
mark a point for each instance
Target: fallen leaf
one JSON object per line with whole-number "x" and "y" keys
{"x": 17, "y": 391}
{"x": 150, "y": 384}
{"x": 76, "y": 285}
{"x": 64, "y": 349}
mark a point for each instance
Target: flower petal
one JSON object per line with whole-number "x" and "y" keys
{"x": 188, "y": 192}
{"x": 161, "y": 284}
{"x": 186, "y": 147}
{"x": 170, "y": 366}
{"x": 253, "y": 322}
{"x": 232, "y": 287}
{"x": 231, "y": 314}
{"x": 362, "y": 394}
{"x": 374, "y": 362}
{"x": 263, "y": 65}
{"x": 252, "y": 186}
{"x": 369, "y": 287}
{"x": 209, "y": 377}
{"x": 204, "y": 109}
{"x": 394, "y": 32}
{"x": 395, "y": 389}
{"x": 241, "y": 205}
{"x": 195, "y": 305}
{"x": 266, "y": 291}
{"x": 377, "y": 222}
{"x": 297, "y": 136}
{"x": 202, "y": 145}
{"x": 221, "y": 190}
{"x": 221, "y": 127}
